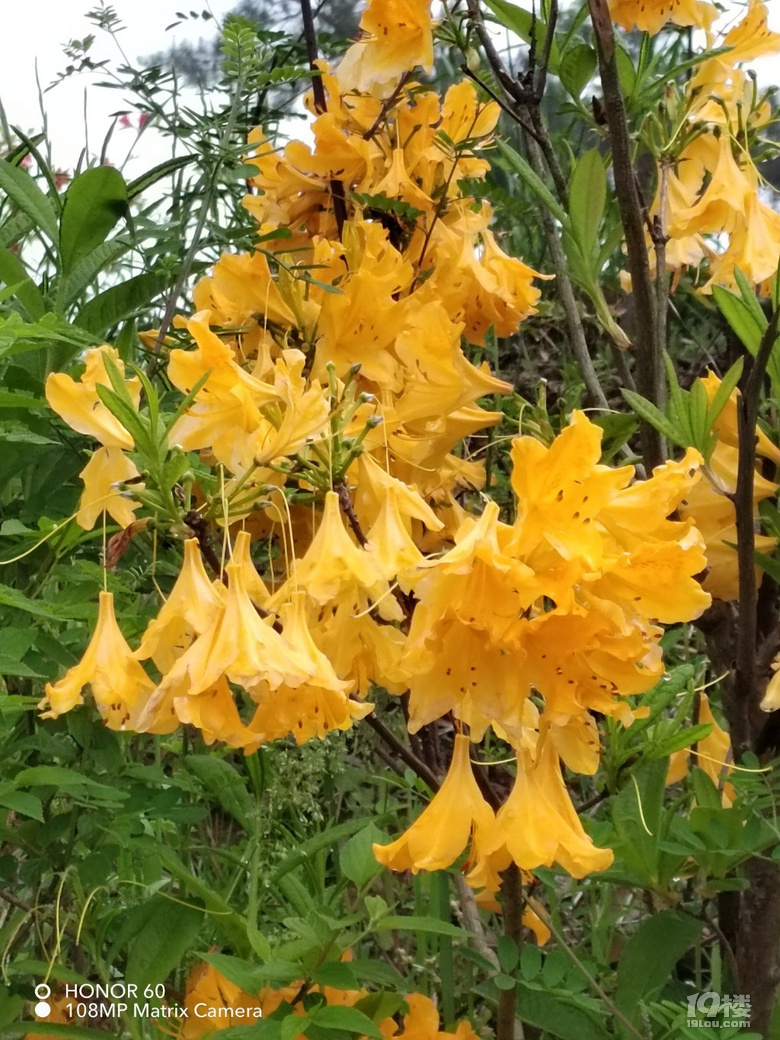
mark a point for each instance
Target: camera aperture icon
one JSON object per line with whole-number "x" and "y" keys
{"x": 42, "y": 1008}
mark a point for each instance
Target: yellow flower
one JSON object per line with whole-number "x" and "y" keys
{"x": 333, "y": 562}
{"x": 652, "y": 15}
{"x": 189, "y": 610}
{"x": 442, "y": 831}
{"x": 723, "y": 203}
{"x": 537, "y": 825}
{"x": 215, "y": 714}
{"x": 398, "y": 38}
{"x": 712, "y": 753}
{"x": 107, "y": 468}
{"x": 120, "y": 687}
{"x": 81, "y": 408}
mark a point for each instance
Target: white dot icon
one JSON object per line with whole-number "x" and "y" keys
{"x": 42, "y": 1009}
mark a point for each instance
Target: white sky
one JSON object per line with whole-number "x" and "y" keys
{"x": 35, "y": 30}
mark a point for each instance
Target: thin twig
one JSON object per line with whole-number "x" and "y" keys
{"x": 403, "y": 751}
{"x": 632, "y": 218}
{"x": 512, "y": 892}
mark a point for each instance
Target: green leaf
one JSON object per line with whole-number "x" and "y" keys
{"x": 508, "y": 953}
{"x": 252, "y": 977}
{"x": 396, "y": 922}
{"x": 524, "y": 25}
{"x": 169, "y": 931}
{"x": 357, "y": 860}
{"x": 347, "y": 1018}
{"x": 741, "y": 318}
{"x": 769, "y": 565}
{"x": 89, "y": 267}
{"x": 558, "y": 1019}
{"x": 649, "y": 957}
{"x": 9, "y": 666}
{"x": 727, "y": 386}
{"x": 535, "y": 185}
{"x": 338, "y": 974}
{"x": 146, "y": 180}
{"x": 22, "y": 190}
{"x": 118, "y": 302}
{"x": 677, "y": 741}
{"x": 13, "y": 272}
{"x": 577, "y": 67}
{"x": 94, "y": 202}
{"x": 587, "y": 198}
{"x": 26, "y": 402}
{"x": 224, "y": 784}
{"x": 325, "y": 839}
{"x": 530, "y": 962}
{"x": 648, "y": 411}
{"x": 23, "y": 802}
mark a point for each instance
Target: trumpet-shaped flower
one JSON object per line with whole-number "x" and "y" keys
{"x": 442, "y": 831}
{"x": 120, "y": 687}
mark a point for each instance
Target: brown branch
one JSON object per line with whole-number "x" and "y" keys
{"x": 349, "y": 512}
{"x": 631, "y": 215}
{"x": 512, "y": 893}
{"x": 403, "y": 751}
{"x": 321, "y": 105}
{"x": 744, "y": 689}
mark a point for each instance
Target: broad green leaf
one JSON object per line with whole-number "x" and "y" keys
{"x": 587, "y": 198}
{"x": 347, "y": 1018}
{"x": 577, "y": 67}
{"x": 626, "y": 70}
{"x": 741, "y": 317}
{"x": 13, "y": 272}
{"x": 12, "y": 399}
{"x": 24, "y": 803}
{"x": 338, "y": 974}
{"x": 556, "y": 1017}
{"x": 524, "y": 25}
{"x": 649, "y": 957}
{"x": 224, "y": 785}
{"x": 170, "y": 929}
{"x": 94, "y": 202}
{"x": 10, "y": 666}
{"x": 508, "y": 953}
{"x": 252, "y": 977}
{"x": 532, "y": 182}
{"x": 326, "y": 839}
{"x": 22, "y": 190}
{"x": 118, "y": 302}
{"x": 357, "y": 860}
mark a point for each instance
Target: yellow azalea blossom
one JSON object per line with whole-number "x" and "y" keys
{"x": 120, "y": 687}
{"x": 191, "y": 607}
{"x": 102, "y": 475}
{"x": 711, "y": 754}
{"x": 237, "y": 644}
{"x": 652, "y": 15}
{"x": 722, "y": 204}
{"x": 442, "y": 831}
{"x": 221, "y": 1004}
{"x": 390, "y": 541}
{"x": 537, "y": 825}
{"x": 771, "y": 698}
{"x": 81, "y": 408}
{"x": 333, "y": 561}
{"x": 398, "y": 37}
{"x": 215, "y": 714}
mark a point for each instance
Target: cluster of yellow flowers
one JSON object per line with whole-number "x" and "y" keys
{"x": 338, "y": 371}
{"x": 709, "y": 190}
{"x": 213, "y": 1003}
